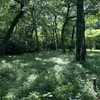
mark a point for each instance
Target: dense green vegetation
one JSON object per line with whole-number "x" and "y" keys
{"x": 43, "y": 47}
{"x": 49, "y": 75}
{"x": 36, "y": 25}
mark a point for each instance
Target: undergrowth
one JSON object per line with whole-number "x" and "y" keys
{"x": 49, "y": 75}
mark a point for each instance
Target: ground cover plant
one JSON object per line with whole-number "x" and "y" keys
{"x": 49, "y": 75}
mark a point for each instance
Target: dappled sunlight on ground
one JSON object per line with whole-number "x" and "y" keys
{"x": 59, "y": 60}
{"x": 38, "y": 58}
{"x": 47, "y": 73}
{"x": 3, "y": 61}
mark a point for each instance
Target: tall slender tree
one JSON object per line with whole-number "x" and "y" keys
{"x": 64, "y": 26}
{"x": 33, "y": 13}
{"x": 80, "y": 36}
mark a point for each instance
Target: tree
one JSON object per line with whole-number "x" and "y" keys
{"x": 33, "y": 14}
{"x": 80, "y": 37}
{"x": 63, "y": 28}
{"x": 51, "y": 21}
{"x": 10, "y": 30}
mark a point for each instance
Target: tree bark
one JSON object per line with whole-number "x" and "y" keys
{"x": 9, "y": 32}
{"x": 80, "y": 36}
{"x": 55, "y": 36}
{"x": 35, "y": 28}
{"x": 72, "y": 37}
{"x": 63, "y": 29}
{"x": 84, "y": 42}
{"x": 56, "y": 32}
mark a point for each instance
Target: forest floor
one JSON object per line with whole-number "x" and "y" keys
{"x": 50, "y": 75}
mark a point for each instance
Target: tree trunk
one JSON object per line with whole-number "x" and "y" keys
{"x": 37, "y": 40}
{"x": 80, "y": 36}
{"x": 9, "y": 32}
{"x": 57, "y": 45}
{"x": 63, "y": 29}
{"x": 73, "y": 32}
{"x": 56, "y": 36}
{"x": 35, "y": 28}
{"x": 84, "y": 42}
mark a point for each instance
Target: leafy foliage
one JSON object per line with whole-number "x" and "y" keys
{"x": 93, "y": 38}
{"x": 50, "y": 75}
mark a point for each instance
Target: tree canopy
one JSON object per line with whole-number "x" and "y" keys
{"x": 36, "y": 25}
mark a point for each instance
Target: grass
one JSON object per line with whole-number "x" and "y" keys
{"x": 50, "y": 75}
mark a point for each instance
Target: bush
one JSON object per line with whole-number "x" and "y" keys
{"x": 18, "y": 47}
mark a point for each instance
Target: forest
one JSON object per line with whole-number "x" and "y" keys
{"x": 49, "y": 50}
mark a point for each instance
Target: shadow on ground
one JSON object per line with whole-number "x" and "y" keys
{"x": 46, "y": 76}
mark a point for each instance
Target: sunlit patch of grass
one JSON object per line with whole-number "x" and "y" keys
{"x": 49, "y": 73}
